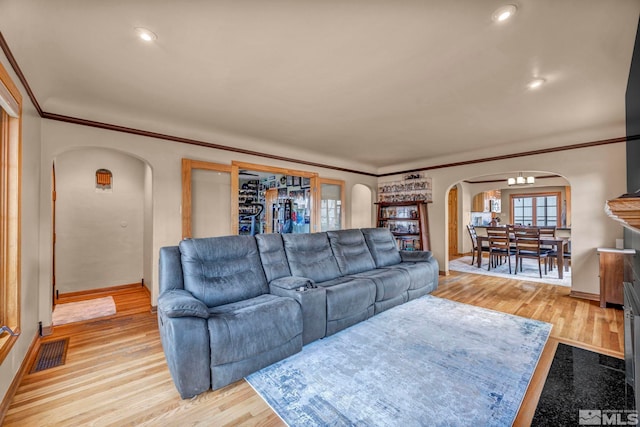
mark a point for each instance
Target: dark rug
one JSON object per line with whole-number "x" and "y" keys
{"x": 50, "y": 355}
{"x": 584, "y": 388}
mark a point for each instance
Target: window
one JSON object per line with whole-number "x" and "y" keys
{"x": 10, "y": 111}
{"x": 536, "y": 209}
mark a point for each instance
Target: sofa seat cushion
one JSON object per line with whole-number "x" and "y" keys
{"x": 348, "y": 296}
{"x": 389, "y": 282}
{"x": 421, "y": 273}
{"x": 244, "y": 329}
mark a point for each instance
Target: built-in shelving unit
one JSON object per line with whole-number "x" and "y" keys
{"x": 408, "y": 221}
{"x": 249, "y": 207}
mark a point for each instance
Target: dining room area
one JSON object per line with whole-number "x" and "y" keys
{"x": 516, "y": 226}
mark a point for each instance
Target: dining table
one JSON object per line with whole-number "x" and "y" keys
{"x": 559, "y": 244}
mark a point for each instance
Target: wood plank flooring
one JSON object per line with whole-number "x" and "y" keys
{"x": 116, "y": 374}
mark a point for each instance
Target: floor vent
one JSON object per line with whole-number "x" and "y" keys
{"x": 51, "y": 354}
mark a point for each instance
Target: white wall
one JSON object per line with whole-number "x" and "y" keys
{"x": 595, "y": 175}
{"x": 148, "y": 255}
{"x": 99, "y": 233}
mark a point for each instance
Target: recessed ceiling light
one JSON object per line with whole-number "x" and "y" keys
{"x": 145, "y": 34}
{"x": 503, "y": 13}
{"x": 536, "y": 83}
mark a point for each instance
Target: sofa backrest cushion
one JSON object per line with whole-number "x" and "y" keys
{"x": 274, "y": 259}
{"x": 351, "y": 251}
{"x": 382, "y": 246}
{"x": 310, "y": 256}
{"x": 222, "y": 270}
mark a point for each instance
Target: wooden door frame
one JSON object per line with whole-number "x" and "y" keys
{"x": 53, "y": 237}
{"x": 188, "y": 165}
{"x": 453, "y": 214}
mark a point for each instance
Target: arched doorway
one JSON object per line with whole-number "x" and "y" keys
{"x": 489, "y": 199}
{"x": 361, "y": 201}
{"x": 102, "y": 220}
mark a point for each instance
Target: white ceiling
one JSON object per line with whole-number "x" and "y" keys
{"x": 373, "y": 85}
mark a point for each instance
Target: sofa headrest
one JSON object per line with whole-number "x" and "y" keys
{"x": 351, "y": 251}
{"x": 273, "y": 256}
{"x": 382, "y": 245}
{"x": 222, "y": 270}
{"x": 310, "y": 256}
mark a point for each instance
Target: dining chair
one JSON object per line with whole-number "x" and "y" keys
{"x": 474, "y": 243}
{"x": 528, "y": 246}
{"x": 549, "y": 232}
{"x": 499, "y": 246}
{"x": 566, "y": 255}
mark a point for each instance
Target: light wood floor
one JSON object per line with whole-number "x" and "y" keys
{"x": 115, "y": 373}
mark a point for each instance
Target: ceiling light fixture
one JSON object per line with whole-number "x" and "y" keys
{"x": 521, "y": 180}
{"x": 536, "y": 83}
{"x": 145, "y": 34}
{"x": 503, "y": 13}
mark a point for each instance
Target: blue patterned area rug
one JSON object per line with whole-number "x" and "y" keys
{"x": 530, "y": 271}
{"x": 430, "y": 361}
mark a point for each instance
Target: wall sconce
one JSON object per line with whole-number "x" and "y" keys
{"x": 104, "y": 179}
{"x": 521, "y": 180}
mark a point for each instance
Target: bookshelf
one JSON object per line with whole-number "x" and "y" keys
{"x": 409, "y": 223}
{"x": 249, "y": 208}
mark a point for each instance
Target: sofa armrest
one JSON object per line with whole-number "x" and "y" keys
{"x": 291, "y": 283}
{"x": 180, "y": 303}
{"x": 312, "y": 300}
{"x": 415, "y": 256}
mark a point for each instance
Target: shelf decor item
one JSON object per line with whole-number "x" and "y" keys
{"x": 412, "y": 188}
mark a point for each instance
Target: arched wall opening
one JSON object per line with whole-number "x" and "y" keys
{"x": 486, "y": 200}
{"x": 103, "y": 231}
{"x": 361, "y": 206}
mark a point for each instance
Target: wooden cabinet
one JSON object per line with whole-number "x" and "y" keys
{"x": 409, "y": 223}
{"x": 487, "y": 201}
{"x": 478, "y": 205}
{"x": 613, "y": 271}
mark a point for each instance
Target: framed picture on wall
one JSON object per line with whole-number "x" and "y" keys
{"x": 296, "y": 181}
{"x": 306, "y": 182}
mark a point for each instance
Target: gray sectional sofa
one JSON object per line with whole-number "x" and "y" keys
{"x": 229, "y": 306}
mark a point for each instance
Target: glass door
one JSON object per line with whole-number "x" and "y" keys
{"x": 331, "y": 204}
{"x": 274, "y": 200}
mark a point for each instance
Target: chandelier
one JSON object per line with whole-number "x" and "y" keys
{"x": 521, "y": 180}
